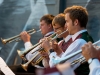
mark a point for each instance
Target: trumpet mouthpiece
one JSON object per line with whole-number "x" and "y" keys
{"x": 38, "y": 30}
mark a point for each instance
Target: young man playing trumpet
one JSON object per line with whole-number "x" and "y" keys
{"x": 46, "y": 30}
{"x": 92, "y": 56}
{"x": 76, "y": 20}
{"x": 59, "y": 27}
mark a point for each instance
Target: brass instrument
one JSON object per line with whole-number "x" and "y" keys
{"x": 82, "y": 59}
{"x": 23, "y": 53}
{"x": 79, "y": 60}
{"x": 34, "y": 60}
{"x": 72, "y": 55}
{"x": 17, "y": 37}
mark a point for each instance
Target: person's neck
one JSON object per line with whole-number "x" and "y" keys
{"x": 79, "y": 29}
{"x": 65, "y": 35}
{"x": 48, "y": 32}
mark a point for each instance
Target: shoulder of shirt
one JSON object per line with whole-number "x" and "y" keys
{"x": 78, "y": 33}
{"x": 67, "y": 38}
{"x": 80, "y": 40}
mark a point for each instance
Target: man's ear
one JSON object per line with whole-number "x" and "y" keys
{"x": 76, "y": 22}
{"x": 50, "y": 25}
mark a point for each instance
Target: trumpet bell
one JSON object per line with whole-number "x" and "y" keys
{"x": 24, "y": 66}
{"x": 20, "y": 53}
{"x": 3, "y": 41}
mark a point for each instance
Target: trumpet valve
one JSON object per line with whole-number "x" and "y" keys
{"x": 82, "y": 60}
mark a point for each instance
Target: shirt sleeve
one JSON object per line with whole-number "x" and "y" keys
{"x": 27, "y": 45}
{"x": 54, "y": 56}
{"x": 94, "y": 67}
{"x": 32, "y": 53}
{"x": 75, "y": 46}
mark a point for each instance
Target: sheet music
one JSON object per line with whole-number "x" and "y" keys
{"x": 4, "y": 68}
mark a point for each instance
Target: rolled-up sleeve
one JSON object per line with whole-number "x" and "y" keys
{"x": 29, "y": 55}
{"x": 94, "y": 67}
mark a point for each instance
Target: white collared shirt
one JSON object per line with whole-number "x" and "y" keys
{"x": 65, "y": 39}
{"x": 53, "y": 54}
{"x": 94, "y": 67}
{"x": 75, "y": 46}
{"x": 49, "y": 33}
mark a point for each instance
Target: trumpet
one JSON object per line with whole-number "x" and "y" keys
{"x": 82, "y": 59}
{"x": 34, "y": 60}
{"x": 23, "y": 53}
{"x": 17, "y": 37}
{"x": 72, "y": 55}
{"x": 79, "y": 60}
{"x": 37, "y": 58}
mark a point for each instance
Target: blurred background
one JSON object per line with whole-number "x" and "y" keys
{"x": 19, "y": 15}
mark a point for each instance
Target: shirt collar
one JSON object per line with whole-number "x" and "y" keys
{"x": 76, "y": 34}
{"x": 67, "y": 38}
{"x": 49, "y": 33}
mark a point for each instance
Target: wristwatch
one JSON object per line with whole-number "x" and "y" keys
{"x": 51, "y": 50}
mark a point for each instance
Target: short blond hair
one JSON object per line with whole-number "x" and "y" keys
{"x": 59, "y": 19}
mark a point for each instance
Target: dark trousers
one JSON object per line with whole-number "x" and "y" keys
{"x": 18, "y": 70}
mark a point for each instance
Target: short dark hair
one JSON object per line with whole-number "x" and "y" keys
{"x": 78, "y": 12}
{"x": 47, "y": 18}
{"x": 59, "y": 19}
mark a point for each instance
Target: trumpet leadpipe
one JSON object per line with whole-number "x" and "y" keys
{"x": 58, "y": 35}
{"x": 35, "y": 32}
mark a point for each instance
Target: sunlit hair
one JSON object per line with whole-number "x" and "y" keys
{"x": 59, "y": 19}
{"x": 78, "y": 12}
{"x": 47, "y": 18}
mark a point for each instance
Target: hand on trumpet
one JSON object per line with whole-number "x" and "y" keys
{"x": 25, "y": 36}
{"x": 90, "y": 51}
{"x": 45, "y": 61}
{"x": 48, "y": 45}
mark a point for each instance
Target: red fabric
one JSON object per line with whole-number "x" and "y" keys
{"x": 79, "y": 36}
{"x": 51, "y": 71}
{"x": 64, "y": 45}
